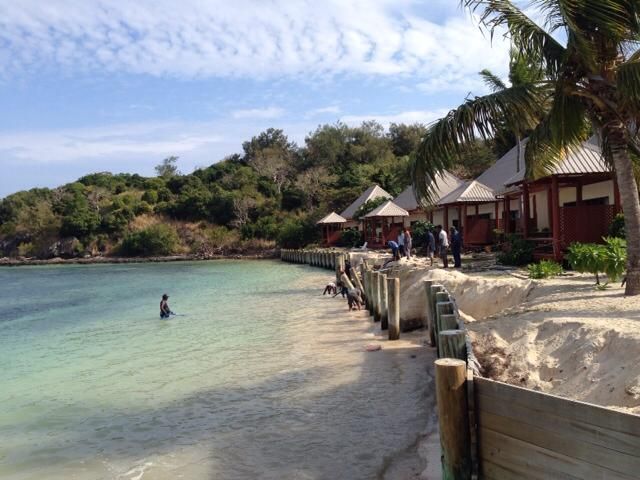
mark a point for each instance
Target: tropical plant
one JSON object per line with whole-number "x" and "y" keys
{"x": 591, "y": 83}
{"x": 544, "y": 269}
{"x": 609, "y": 258}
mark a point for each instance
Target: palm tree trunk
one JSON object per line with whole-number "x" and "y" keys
{"x": 631, "y": 207}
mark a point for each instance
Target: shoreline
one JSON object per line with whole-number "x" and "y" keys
{"x": 15, "y": 262}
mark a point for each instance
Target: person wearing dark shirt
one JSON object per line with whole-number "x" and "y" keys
{"x": 456, "y": 247}
{"x": 165, "y": 311}
{"x": 431, "y": 246}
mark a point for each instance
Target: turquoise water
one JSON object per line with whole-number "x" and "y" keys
{"x": 252, "y": 382}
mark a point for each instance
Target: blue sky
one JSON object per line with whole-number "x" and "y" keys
{"x": 95, "y": 85}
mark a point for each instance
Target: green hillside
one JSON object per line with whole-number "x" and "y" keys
{"x": 272, "y": 193}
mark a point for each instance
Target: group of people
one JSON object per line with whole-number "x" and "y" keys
{"x": 438, "y": 244}
{"x": 353, "y": 295}
{"x": 402, "y": 248}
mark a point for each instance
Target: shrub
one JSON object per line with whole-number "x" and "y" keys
{"x": 297, "y": 233}
{"x": 351, "y": 237}
{"x": 544, "y": 269}
{"x": 419, "y": 231}
{"x": 517, "y": 251}
{"x": 154, "y": 240}
{"x": 616, "y": 229}
{"x": 610, "y": 258}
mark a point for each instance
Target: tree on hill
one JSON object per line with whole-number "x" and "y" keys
{"x": 168, "y": 168}
{"x": 592, "y": 83}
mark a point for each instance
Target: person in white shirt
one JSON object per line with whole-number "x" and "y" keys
{"x": 444, "y": 245}
{"x": 401, "y": 243}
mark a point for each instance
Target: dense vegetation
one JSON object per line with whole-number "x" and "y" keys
{"x": 273, "y": 192}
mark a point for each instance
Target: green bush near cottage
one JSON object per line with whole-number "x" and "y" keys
{"x": 616, "y": 229}
{"x": 544, "y": 269}
{"x": 368, "y": 206}
{"x": 419, "y": 233}
{"x": 609, "y": 259}
{"x": 516, "y": 252}
{"x": 351, "y": 237}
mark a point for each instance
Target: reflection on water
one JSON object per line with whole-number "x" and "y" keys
{"x": 262, "y": 378}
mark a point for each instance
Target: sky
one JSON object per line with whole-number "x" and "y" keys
{"x": 116, "y": 85}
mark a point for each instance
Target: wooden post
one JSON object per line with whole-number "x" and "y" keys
{"x": 368, "y": 274}
{"x": 453, "y": 344}
{"x": 393, "y": 285}
{"x": 357, "y": 282}
{"x": 429, "y": 313}
{"x": 451, "y": 395}
{"x": 555, "y": 211}
{"x": 446, "y": 321}
{"x": 338, "y": 268}
{"x": 345, "y": 280}
{"x": 446, "y": 218}
{"x": 384, "y": 301}
{"x": 526, "y": 210}
{"x": 375, "y": 286}
{"x": 435, "y": 289}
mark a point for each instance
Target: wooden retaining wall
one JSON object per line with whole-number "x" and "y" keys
{"x": 521, "y": 434}
{"x": 525, "y": 434}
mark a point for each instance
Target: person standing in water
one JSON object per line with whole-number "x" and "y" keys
{"x": 165, "y": 311}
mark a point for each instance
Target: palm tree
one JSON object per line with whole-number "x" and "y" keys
{"x": 591, "y": 83}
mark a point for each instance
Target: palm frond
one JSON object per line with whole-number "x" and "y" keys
{"x": 565, "y": 126}
{"x": 628, "y": 83}
{"x": 492, "y": 81}
{"x": 477, "y": 119}
{"x": 529, "y": 37}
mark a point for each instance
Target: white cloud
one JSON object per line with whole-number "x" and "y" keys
{"x": 151, "y": 140}
{"x": 245, "y": 38}
{"x": 258, "y": 113}
{"x": 415, "y": 116}
{"x": 332, "y": 109}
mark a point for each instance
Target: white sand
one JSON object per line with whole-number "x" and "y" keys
{"x": 568, "y": 339}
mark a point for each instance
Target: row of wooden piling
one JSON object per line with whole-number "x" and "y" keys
{"x": 455, "y": 369}
{"x": 382, "y": 299}
{"x": 315, "y": 258}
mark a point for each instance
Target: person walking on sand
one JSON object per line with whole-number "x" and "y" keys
{"x": 431, "y": 245}
{"x": 408, "y": 243}
{"x": 401, "y": 243}
{"x": 456, "y": 247}
{"x": 165, "y": 311}
{"x": 444, "y": 245}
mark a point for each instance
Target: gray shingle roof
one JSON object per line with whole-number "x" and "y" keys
{"x": 472, "y": 191}
{"x": 370, "y": 193}
{"x": 444, "y": 185}
{"x": 333, "y": 217}
{"x": 388, "y": 209}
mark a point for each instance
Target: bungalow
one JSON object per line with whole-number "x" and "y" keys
{"x": 332, "y": 226}
{"x": 383, "y": 224}
{"x": 576, "y": 202}
{"x": 369, "y": 194}
{"x": 407, "y": 200}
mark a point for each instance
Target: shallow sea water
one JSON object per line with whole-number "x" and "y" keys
{"x": 262, "y": 377}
